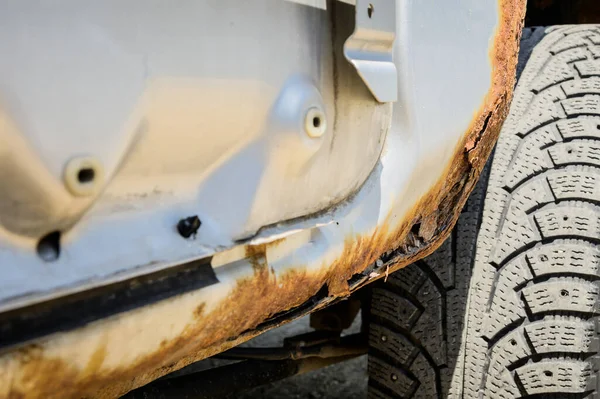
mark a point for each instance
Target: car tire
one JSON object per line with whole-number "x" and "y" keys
{"x": 508, "y": 306}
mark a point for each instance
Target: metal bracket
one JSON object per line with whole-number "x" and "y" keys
{"x": 371, "y": 45}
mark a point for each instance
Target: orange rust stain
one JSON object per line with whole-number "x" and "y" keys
{"x": 199, "y": 311}
{"x": 255, "y": 255}
{"x": 46, "y": 376}
{"x": 96, "y": 360}
{"x": 265, "y": 294}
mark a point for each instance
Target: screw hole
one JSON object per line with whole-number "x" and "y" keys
{"x": 543, "y": 258}
{"x": 315, "y": 123}
{"x": 48, "y": 247}
{"x": 564, "y": 293}
{"x": 86, "y": 175}
{"x": 565, "y": 218}
{"x": 513, "y": 342}
{"x": 370, "y": 11}
{"x": 548, "y": 373}
{"x": 83, "y": 176}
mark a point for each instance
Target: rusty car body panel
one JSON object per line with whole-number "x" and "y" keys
{"x": 281, "y": 273}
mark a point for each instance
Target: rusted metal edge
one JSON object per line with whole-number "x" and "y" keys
{"x": 41, "y": 370}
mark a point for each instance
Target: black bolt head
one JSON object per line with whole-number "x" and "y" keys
{"x": 189, "y": 226}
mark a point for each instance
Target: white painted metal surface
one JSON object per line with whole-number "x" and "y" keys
{"x": 199, "y": 110}
{"x": 194, "y": 109}
{"x": 370, "y": 47}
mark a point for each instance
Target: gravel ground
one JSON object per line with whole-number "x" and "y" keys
{"x": 342, "y": 380}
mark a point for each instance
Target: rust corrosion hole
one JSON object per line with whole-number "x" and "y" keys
{"x": 415, "y": 228}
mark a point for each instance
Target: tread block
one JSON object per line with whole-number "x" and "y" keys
{"x": 517, "y": 232}
{"x": 392, "y": 343}
{"x": 395, "y": 308}
{"x": 561, "y": 295}
{"x": 584, "y": 126}
{"x": 565, "y": 256}
{"x": 575, "y": 182}
{"x": 411, "y": 279}
{"x": 571, "y": 218}
{"x": 441, "y": 263}
{"x": 576, "y": 152}
{"x": 573, "y": 40}
{"x": 558, "y": 68}
{"x": 594, "y": 37}
{"x": 588, "y": 68}
{"x": 595, "y": 50}
{"x": 375, "y": 393}
{"x": 391, "y": 377}
{"x": 555, "y": 376}
{"x": 587, "y": 104}
{"x": 509, "y": 350}
{"x": 581, "y": 86}
{"x": 530, "y": 195}
{"x": 427, "y": 387}
{"x": 505, "y": 306}
{"x": 531, "y": 158}
{"x": 542, "y": 111}
{"x": 500, "y": 384}
{"x": 562, "y": 335}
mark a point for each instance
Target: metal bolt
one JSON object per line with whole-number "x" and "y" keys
{"x": 383, "y": 338}
{"x": 189, "y": 226}
{"x": 315, "y": 123}
{"x": 394, "y": 377}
